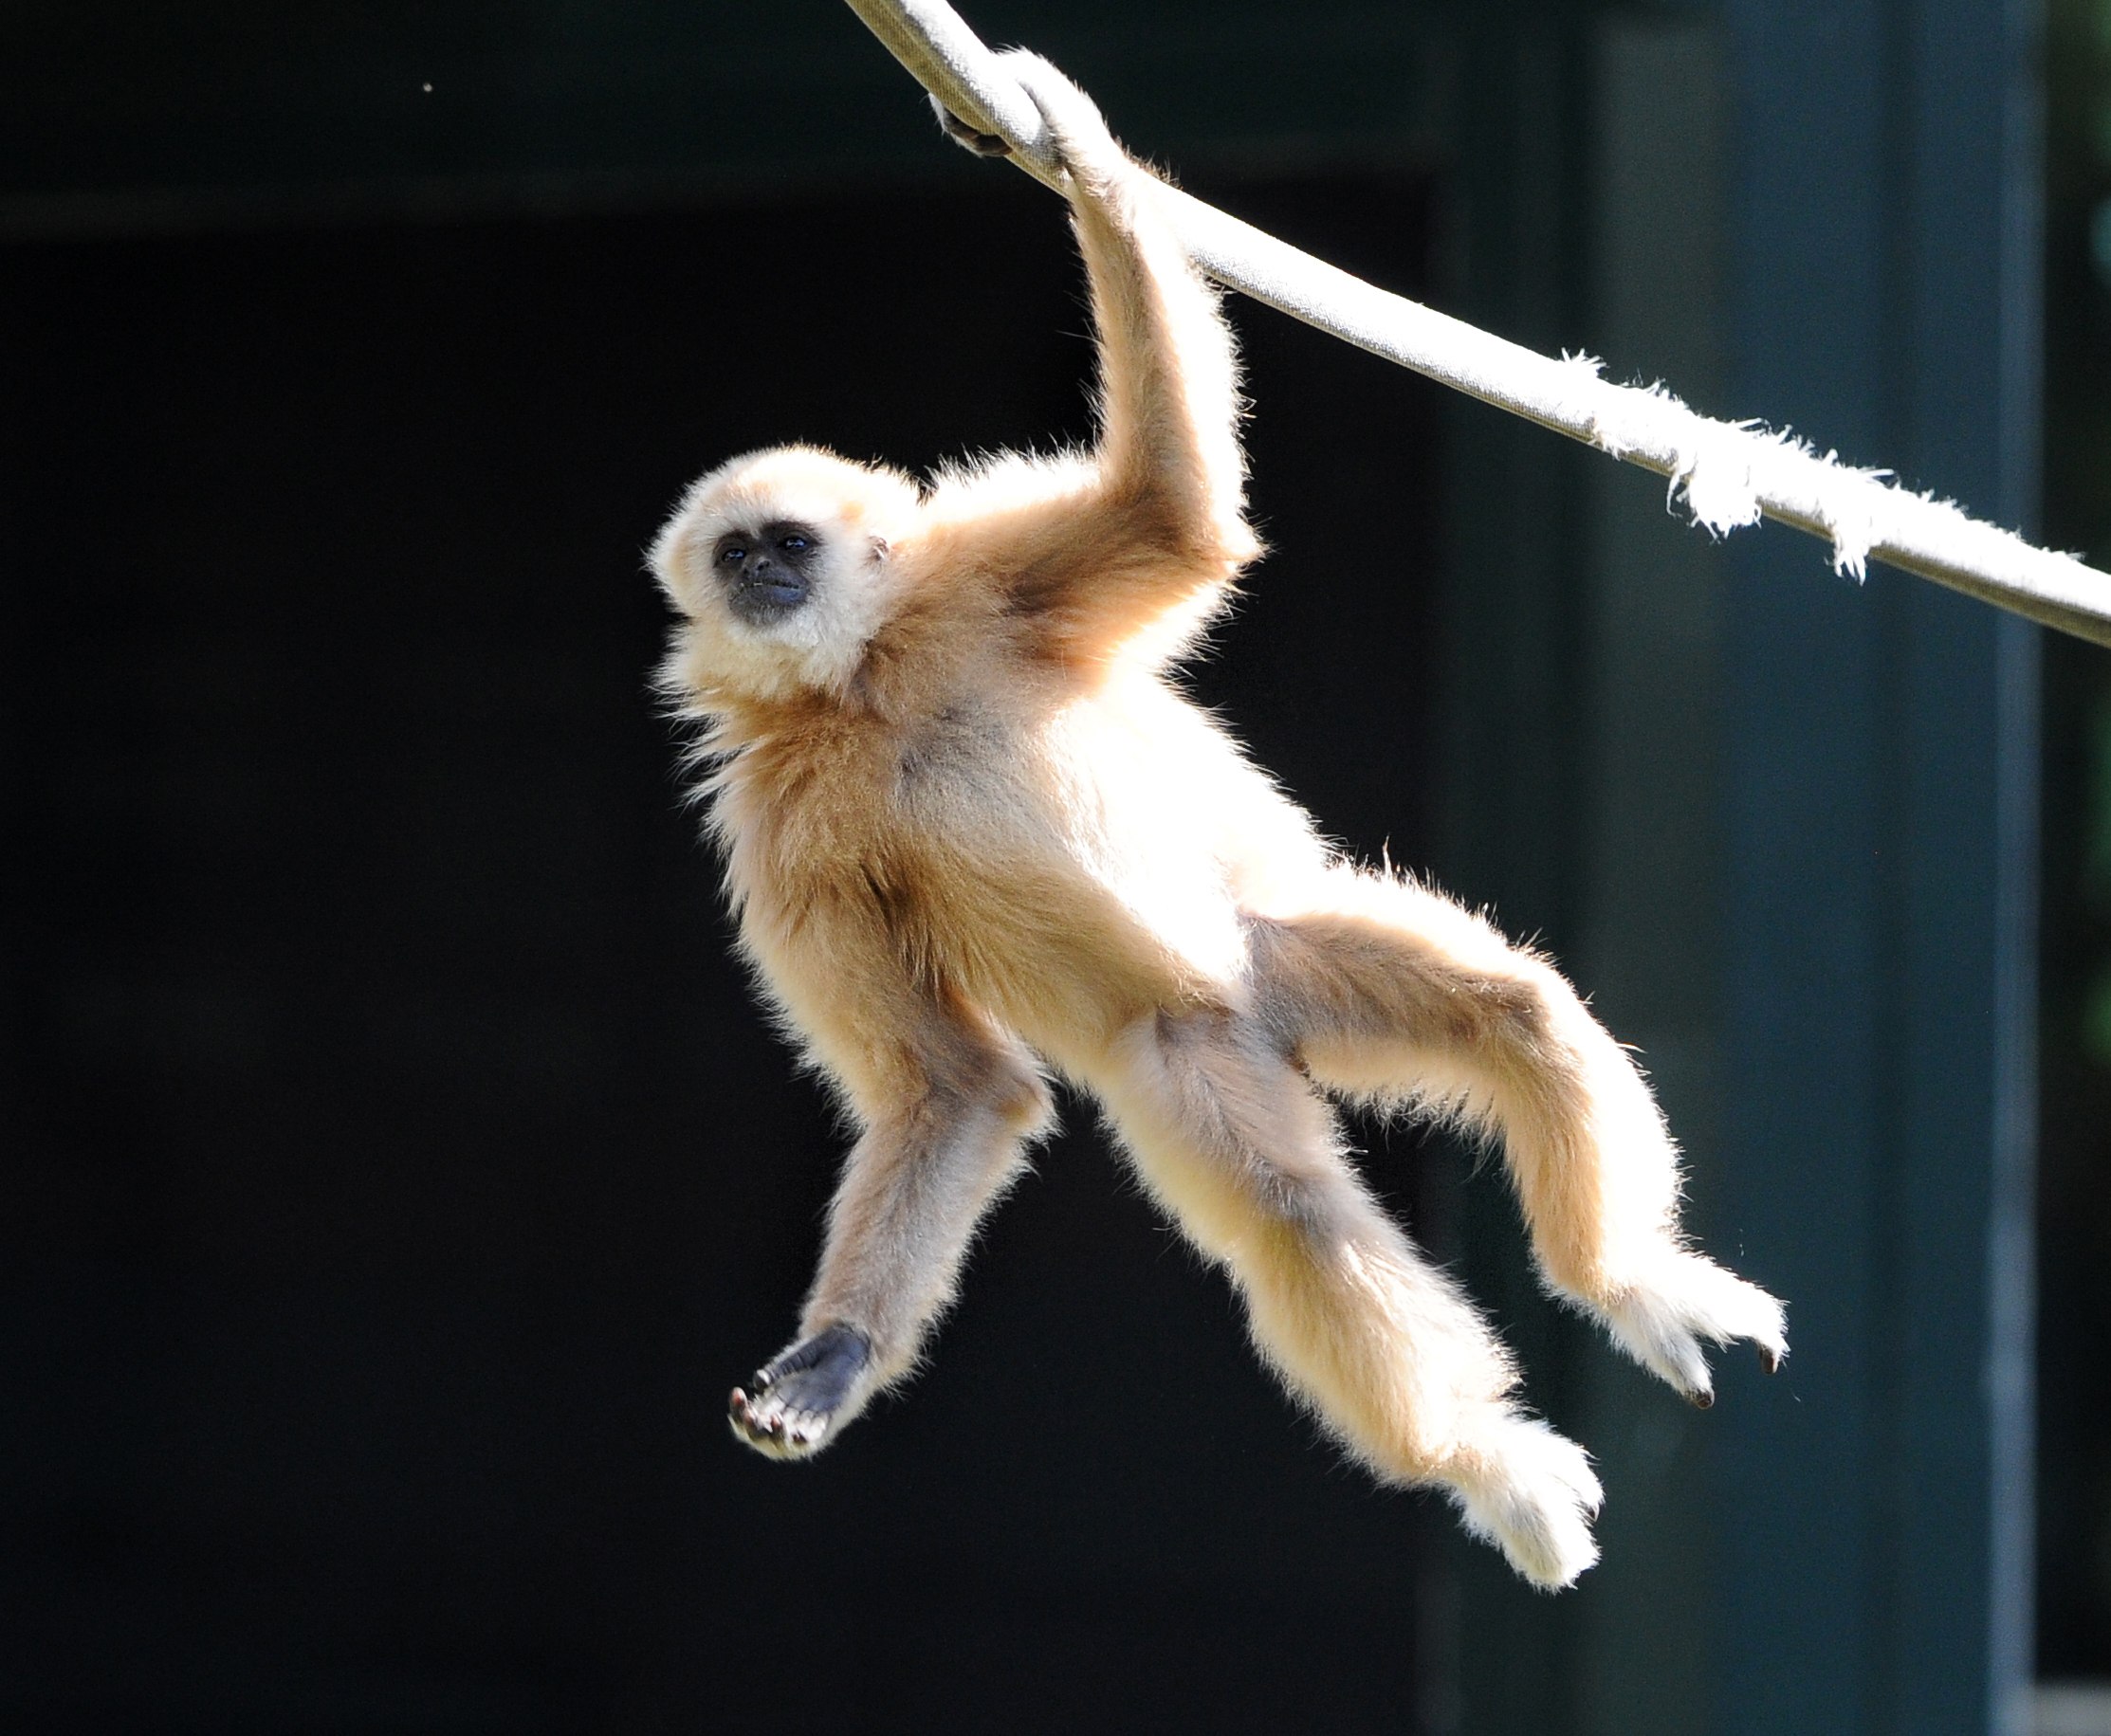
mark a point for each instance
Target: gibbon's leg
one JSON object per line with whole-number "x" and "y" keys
{"x": 1381, "y": 1345}
{"x": 930, "y": 1161}
{"x": 1392, "y": 991}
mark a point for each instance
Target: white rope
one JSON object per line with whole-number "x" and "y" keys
{"x": 1728, "y": 473}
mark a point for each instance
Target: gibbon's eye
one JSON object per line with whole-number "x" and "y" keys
{"x": 731, "y": 556}
{"x": 794, "y": 544}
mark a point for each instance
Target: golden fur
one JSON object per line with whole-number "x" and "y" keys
{"x": 970, "y": 831}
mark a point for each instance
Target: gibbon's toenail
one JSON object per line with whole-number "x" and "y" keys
{"x": 1702, "y": 1402}
{"x": 1770, "y": 1361}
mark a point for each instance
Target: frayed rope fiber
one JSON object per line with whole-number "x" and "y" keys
{"x": 1729, "y": 474}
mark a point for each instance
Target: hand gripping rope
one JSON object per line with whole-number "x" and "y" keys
{"x": 1728, "y": 473}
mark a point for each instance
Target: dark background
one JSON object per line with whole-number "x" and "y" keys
{"x": 402, "y": 1172}
{"x": 2074, "y": 1409}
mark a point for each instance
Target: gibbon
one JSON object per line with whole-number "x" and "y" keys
{"x": 973, "y": 836}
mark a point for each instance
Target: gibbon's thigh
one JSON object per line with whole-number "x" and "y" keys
{"x": 1382, "y": 986}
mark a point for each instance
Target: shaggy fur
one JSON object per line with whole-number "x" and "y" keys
{"x": 972, "y": 832}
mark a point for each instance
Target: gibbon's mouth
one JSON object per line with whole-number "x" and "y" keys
{"x": 766, "y": 595}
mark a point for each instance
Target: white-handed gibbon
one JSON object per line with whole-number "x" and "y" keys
{"x": 972, "y": 834}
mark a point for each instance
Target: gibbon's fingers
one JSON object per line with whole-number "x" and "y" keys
{"x": 799, "y": 1392}
{"x": 967, "y": 137}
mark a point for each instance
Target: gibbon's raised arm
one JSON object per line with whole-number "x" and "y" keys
{"x": 1156, "y": 518}
{"x": 1168, "y": 384}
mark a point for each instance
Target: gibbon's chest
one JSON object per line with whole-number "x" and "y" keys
{"x": 1093, "y": 835}
{"x": 914, "y": 805}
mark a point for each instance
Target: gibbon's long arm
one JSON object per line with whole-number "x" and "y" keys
{"x": 945, "y": 1103}
{"x": 1100, "y": 549}
{"x": 1729, "y": 473}
{"x": 1169, "y": 386}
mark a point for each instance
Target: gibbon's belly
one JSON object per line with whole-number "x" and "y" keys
{"x": 1082, "y": 864}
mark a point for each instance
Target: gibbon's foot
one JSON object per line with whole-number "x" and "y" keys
{"x": 797, "y": 1395}
{"x": 983, "y": 144}
{"x": 1661, "y": 1319}
{"x": 1533, "y": 1495}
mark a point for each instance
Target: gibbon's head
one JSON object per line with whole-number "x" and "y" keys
{"x": 779, "y": 563}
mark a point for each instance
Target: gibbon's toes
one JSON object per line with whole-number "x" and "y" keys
{"x": 799, "y": 1396}
{"x": 1533, "y": 1495}
{"x": 1662, "y": 1320}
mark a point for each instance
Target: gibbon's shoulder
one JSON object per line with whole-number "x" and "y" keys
{"x": 987, "y": 493}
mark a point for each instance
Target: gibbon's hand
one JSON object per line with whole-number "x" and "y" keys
{"x": 797, "y": 1395}
{"x": 1077, "y": 130}
{"x": 1075, "y": 127}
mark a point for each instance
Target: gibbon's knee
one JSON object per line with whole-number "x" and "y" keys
{"x": 1005, "y": 1087}
{"x": 962, "y": 1068}
{"x": 1021, "y": 1096}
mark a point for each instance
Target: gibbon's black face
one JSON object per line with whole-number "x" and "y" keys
{"x": 769, "y": 572}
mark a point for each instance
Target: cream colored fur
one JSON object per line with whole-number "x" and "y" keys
{"x": 970, "y": 833}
